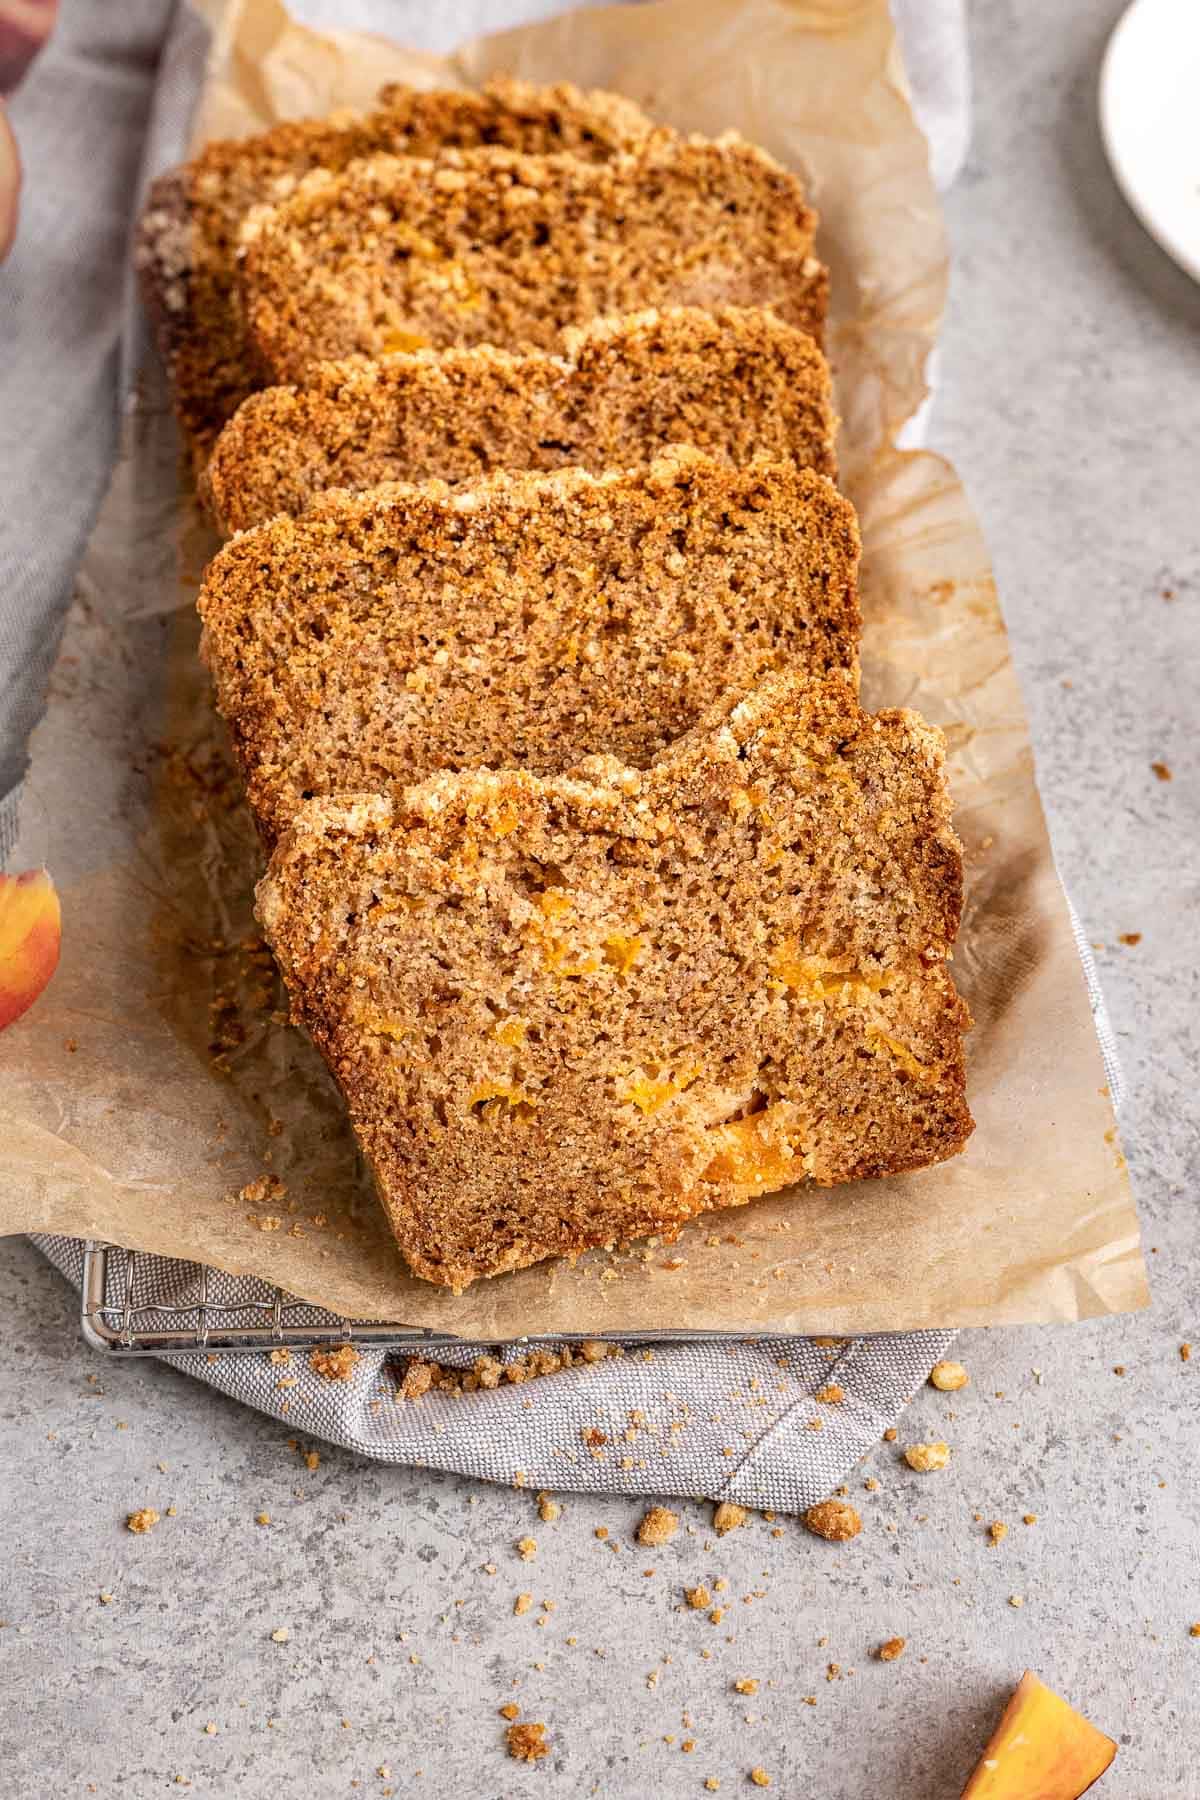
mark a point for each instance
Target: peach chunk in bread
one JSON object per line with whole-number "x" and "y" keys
{"x": 571, "y": 1010}
{"x": 524, "y": 621}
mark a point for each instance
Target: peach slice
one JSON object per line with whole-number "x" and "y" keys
{"x": 30, "y": 930}
{"x": 1041, "y": 1750}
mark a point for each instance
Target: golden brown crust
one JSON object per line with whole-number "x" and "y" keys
{"x": 188, "y": 235}
{"x": 664, "y": 991}
{"x": 735, "y": 383}
{"x": 522, "y": 621}
{"x": 490, "y": 246}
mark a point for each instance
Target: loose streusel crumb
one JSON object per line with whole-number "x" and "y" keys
{"x": 997, "y": 1531}
{"x": 1161, "y": 770}
{"x": 601, "y": 1532}
{"x": 892, "y": 1650}
{"x": 948, "y": 1377}
{"x": 418, "y": 1379}
{"x": 658, "y": 1527}
{"x": 760, "y": 1778}
{"x": 1185, "y": 1353}
{"x": 281, "y": 1635}
{"x": 889, "y": 1436}
{"x": 926, "y": 1457}
{"x": 262, "y": 1518}
{"x": 527, "y": 1548}
{"x": 697, "y": 1597}
{"x": 280, "y": 1356}
{"x": 511, "y": 1711}
{"x": 1030, "y": 1518}
{"x": 727, "y": 1517}
{"x": 522, "y": 1604}
{"x": 871, "y": 1484}
{"x": 1195, "y": 1630}
{"x": 527, "y": 1742}
{"x": 548, "y": 1509}
{"x": 834, "y": 1520}
{"x": 712, "y": 1784}
{"x": 831, "y": 1395}
{"x": 312, "y": 1460}
{"x": 745, "y": 1684}
{"x": 143, "y": 1520}
{"x": 337, "y": 1364}
{"x": 1016, "y": 1599}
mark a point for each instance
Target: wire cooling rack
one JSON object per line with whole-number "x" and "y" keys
{"x": 120, "y": 1315}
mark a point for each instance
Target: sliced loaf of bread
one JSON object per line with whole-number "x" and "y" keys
{"x": 493, "y": 247}
{"x": 736, "y": 383}
{"x": 571, "y": 1010}
{"x": 524, "y": 621}
{"x": 188, "y": 235}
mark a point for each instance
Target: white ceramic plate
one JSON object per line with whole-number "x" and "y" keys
{"x": 1150, "y": 119}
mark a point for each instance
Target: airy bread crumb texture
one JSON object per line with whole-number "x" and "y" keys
{"x": 526, "y": 621}
{"x": 736, "y": 383}
{"x": 665, "y": 990}
{"x": 187, "y": 242}
{"x": 493, "y": 247}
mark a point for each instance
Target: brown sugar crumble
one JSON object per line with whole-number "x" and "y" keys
{"x": 1195, "y": 1630}
{"x": 527, "y": 1548}
{"x": 658, "y": 1527}
{"x": 1129, "y": 937}
{"x": 511, "y": 1711}
{"x": 527, "y": 1743}
{"x": 337, "y": 1364}
{"x": 890, "y": 1435}
{"x": 924, "y": 1458}
{"x": 728, "y": 1516}
{"x": 831, "y": 1394}
{"x": 522, "y": 1604}
{"x": 834, "y": 1520}
{"x": 892, "y": 1650}
{"x": 697, "y": 1597}
{"x": 1029, "y": 1518}
{"x": 997, "y": 1531}
{"x": 948, "y": 1377}
{"x": 141, "y": 1521}
{"x": 745, "y": 1684}
{"x": 760, "y": 1778}
{"x": 1161, "y": 770}
{"x": 1185, "y": 1353}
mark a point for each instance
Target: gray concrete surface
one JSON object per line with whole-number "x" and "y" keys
{"x": 1071, "y": 404}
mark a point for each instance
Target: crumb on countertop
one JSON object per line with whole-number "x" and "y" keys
{"x": 924, "y": 1458}
{"x": 948, "y": 1377}
{"x": 834, "y": 1520}
{"x": 141, "y": 1521}
{"x": 527, "y": 1742}
{"x": 657, "y": 1527}
{"x": 728, "y": 1516}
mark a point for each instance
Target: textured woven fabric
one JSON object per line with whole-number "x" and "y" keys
{"x": 106, "y": 108}
{"x": 728, "y": 1421}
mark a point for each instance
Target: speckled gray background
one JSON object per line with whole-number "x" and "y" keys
{"x": 1069, "y": 401}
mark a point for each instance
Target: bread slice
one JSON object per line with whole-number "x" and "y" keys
{"x": 188, "y": 235}
{"x": 733, "y": 382}
{"x": 568, "y": 1011}
{"x": 492, "y": 247}
{"x": 526, "y": 621}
